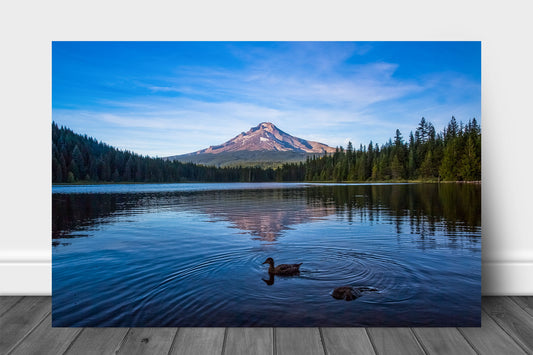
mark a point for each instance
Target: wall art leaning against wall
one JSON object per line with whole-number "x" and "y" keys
{"x": 228, "y": 184}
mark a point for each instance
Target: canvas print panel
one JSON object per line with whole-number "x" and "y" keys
{"x": 266, "y": 184}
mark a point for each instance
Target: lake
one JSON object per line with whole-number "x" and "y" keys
{"x": 192, "y": 254}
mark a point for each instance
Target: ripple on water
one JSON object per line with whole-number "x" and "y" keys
{"x": 176, "y": 259}
{"x": 213, "y": 282}
{"x": 346, "y": 267}
{"x": 225, "y": 281}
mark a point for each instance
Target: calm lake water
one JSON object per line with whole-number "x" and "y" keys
{"x": 191, "y": 254}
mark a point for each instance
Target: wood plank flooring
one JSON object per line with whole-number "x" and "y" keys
{"x": 507, "y": 328}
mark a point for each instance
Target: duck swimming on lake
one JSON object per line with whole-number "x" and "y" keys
{"x": 283, "y": 269}
{"x": 350, "y": 293}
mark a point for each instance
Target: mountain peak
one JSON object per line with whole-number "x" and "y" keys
{"x": 266, "y": 126}
{"x": 267, "y": 137}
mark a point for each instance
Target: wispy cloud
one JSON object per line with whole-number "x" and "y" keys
{"x": 309, "y": 90}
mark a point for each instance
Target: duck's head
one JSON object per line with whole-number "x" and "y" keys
{"x": 269, "y": 261}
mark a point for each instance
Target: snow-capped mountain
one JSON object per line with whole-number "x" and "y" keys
{"x": 263, "y": 143}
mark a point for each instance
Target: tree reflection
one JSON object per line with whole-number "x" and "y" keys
{"x": 266, "y": 214}
{"x": 458, "y": 206}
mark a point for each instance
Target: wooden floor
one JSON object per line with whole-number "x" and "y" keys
{"x": 507, "y": 328}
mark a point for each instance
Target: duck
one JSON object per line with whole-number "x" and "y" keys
{"x": 350, "y": 293}
{"x": 347, "y": 293}
{"x": 283, "y": 269}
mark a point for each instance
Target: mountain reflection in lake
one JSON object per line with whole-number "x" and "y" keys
{"x": 191, "y": 254}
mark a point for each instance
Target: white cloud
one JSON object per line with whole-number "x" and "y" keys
{"x": 306, "y": 90}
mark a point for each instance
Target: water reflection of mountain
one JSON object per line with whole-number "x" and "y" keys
{"x": 266, "y": 214}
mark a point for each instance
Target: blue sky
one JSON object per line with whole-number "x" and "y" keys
{"x": 166, "y": 98}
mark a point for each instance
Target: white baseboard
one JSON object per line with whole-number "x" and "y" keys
{"x": 35, "y": 278}
{"x": 25, "y": 278}
{"x": 507, "y": 278}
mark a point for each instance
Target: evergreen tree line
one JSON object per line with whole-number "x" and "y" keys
{"x": 77, "y": 157}
{"x": 453, "y": 155}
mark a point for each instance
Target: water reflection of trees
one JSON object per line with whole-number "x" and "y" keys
{"x": 424, "y": 207}
{"x": 73, "y": 212}
{"x": 267, "y": 214}
{"x": 264, "y": 214}
{"x": 82, "y": 212}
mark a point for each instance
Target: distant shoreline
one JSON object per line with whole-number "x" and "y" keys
{"x": 274, "y": 182}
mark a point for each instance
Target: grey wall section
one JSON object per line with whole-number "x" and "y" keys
{"x": 506, "y": 122}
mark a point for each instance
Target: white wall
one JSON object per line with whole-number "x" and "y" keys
{"x": 27, "y": 29}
